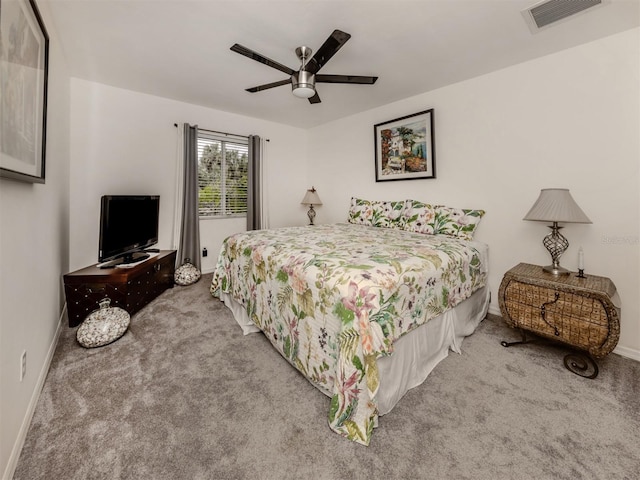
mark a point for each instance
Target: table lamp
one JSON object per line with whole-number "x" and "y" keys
{"x": 556, "y": 205}
{"x": 311, "y": 198}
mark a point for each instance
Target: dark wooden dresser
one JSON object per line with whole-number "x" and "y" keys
{"x": 128, "y": 288}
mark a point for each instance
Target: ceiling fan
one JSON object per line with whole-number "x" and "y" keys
{"x": 303, "y": 81}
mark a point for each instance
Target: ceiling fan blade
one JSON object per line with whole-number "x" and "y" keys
{"x": 261, "y": 58}
{"x": 266, "y": 86}
{"x": 315, "y": 98}
{"x": 346, "y": 79}
{"x": 328, "y": 49}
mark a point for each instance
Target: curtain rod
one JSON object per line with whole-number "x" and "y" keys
{"x": 215, "y": 131}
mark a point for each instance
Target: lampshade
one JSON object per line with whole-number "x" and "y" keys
{"x": 311, "y": 198}
{"x": 556, "y": 205}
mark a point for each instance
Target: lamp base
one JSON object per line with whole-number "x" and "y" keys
{"x": 556, "y": 244}
{"x": 311, "y": 214}
{"x": 556, "y": 270}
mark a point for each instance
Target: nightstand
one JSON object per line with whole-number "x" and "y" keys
{"x": 583, "y": 312}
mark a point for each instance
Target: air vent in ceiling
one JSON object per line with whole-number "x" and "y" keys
{"x": 551, "y": 11}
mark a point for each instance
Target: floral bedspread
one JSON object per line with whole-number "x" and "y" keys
{"x": 333, "y": 298}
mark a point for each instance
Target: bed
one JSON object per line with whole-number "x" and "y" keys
{"x": 365, "y": 309}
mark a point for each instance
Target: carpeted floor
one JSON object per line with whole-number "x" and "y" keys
{"x": 184, "y": 395}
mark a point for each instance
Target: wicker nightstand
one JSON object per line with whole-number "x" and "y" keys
{"x": 581, "y": 312}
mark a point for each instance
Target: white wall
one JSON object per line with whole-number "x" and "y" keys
{"x": 566, "y": 120}
{"x": 33, "y": 256}
{"x": 124, "y": 142}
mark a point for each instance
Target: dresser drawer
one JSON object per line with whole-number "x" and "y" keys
{"x": 578, "y": 320}
{"x": 83, "y": 298}
{"x": 150, "y": 283}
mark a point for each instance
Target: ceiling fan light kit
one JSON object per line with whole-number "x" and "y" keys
{"x": 303, "y": 81}
{"x": 304, "y": 91}
{"x": 303, "y": 84}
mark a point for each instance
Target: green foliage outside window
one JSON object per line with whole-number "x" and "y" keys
{"x": 222, "y": 175}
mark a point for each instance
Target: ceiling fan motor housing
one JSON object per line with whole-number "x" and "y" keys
{"x": 303, "y": 84}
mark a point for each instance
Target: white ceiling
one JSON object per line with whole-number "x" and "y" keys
{"x": 179, "y": 49}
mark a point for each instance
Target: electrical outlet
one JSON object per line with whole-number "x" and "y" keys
{"x": 23, "y": 365}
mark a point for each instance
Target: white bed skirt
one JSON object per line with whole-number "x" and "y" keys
{"x": 415, "y": 354}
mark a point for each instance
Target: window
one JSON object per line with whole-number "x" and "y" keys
{"x": 222, "y": 175}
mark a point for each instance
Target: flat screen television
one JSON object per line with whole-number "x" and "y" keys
{"x": 128, "y": 225}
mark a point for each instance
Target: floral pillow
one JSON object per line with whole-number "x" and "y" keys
{"x": 375, "y": 213}
{"x": 428, "y": 219}
{"x": 456, "y": 222}
{"x": 418, "y": 217}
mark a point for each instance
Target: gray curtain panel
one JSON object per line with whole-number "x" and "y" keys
{"x": 189, "y": 247}
{"x": 254, "y": 181}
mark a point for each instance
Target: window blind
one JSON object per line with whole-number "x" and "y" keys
{"x": 222, "y": 175}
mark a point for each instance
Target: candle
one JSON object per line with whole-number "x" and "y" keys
{"x": 580, "y": 259}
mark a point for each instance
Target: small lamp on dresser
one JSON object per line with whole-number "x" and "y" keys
{"x": 556, "y": 205}
{"x": 311, "y": 198}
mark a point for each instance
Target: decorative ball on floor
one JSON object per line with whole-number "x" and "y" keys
{"x": 186, "y": 274}
{"x": 103, "y": 326}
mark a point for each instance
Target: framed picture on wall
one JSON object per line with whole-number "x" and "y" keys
{"x": 405, "y": 148}
{"x": 24, "y": 59}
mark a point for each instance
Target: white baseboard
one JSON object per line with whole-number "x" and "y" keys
{"x": 33, "y": 402}
{"x": 494, "y": 309}
{"x": 627, "y": 352}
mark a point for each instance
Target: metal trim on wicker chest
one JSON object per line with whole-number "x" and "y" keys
{"x": 581, "y": 312}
